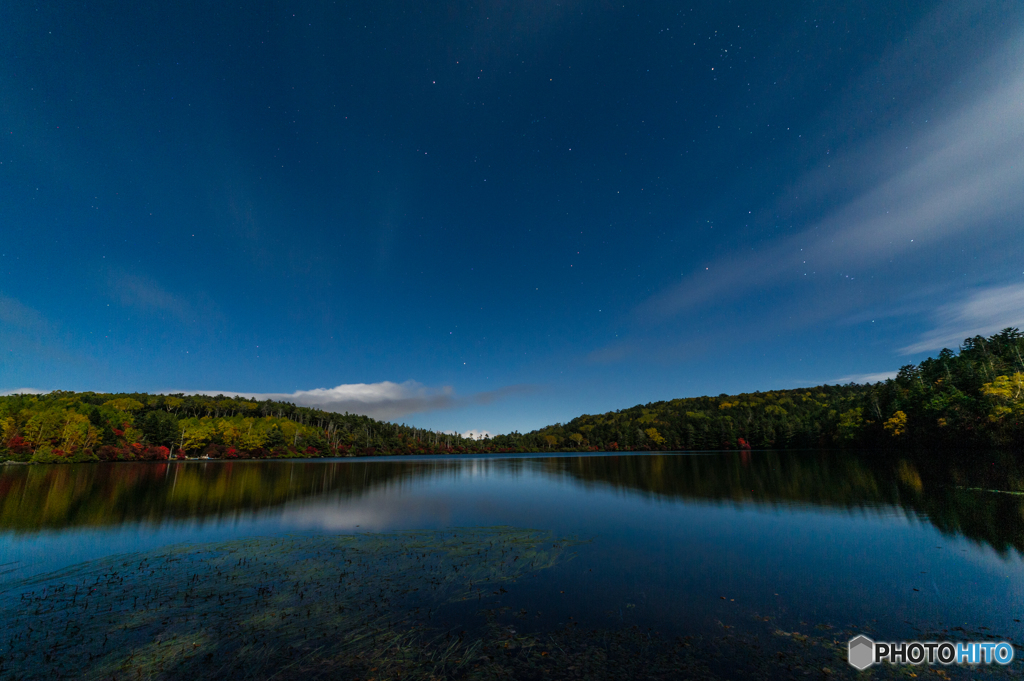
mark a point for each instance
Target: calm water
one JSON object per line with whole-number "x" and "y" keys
{"x": 679, "y": 543}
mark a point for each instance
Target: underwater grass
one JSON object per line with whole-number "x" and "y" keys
{"x": 246, "y": 609}
{"x": 371, "y": 606}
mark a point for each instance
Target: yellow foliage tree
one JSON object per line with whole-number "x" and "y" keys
{"x": 655, "y": 436}
{"x": 124, "y": 404}
{"x": 229, "y": 432}
{"x": 850, "y": 423}
{"x": 9, "y": 428}
{"x": 1006, "y": 394}
{"x": 195, "y": 433}
{"x": 254, "y": 436}
{"x": 244, "y": 433}
{"x": 897, "y": 425}
{"x": 78, "y": 433}
{"x": 44, "y": 426}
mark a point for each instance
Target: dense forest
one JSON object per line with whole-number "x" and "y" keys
{"x": 73, "y": 427}
{"x": 970, "y": 398}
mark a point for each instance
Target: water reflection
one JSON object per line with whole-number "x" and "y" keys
{"x": 979, "y": 497}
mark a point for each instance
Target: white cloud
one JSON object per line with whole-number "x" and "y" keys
{"x": 475, "y": 434}
{"x": 863, "y": 378}
{"x": 982, "y": 314}
{"x": 23, "y": 391}
{"x": 385, "y": 400}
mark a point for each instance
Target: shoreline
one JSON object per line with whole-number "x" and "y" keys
{"x": 440, "y": 457}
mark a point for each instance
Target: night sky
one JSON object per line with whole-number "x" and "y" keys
{"x": 501, "y": 215}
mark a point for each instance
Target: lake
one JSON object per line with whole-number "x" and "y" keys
{"x": 725, "y": 565}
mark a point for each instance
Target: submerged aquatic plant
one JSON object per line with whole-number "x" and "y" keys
{"x": 258, "y": 607}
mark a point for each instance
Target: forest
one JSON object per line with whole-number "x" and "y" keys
{"x": 970, "y": 398}
{"x": 966, "y": 399}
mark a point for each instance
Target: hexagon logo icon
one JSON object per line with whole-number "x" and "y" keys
{"x": 861, "y": 652}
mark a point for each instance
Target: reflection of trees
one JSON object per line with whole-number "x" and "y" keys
{"x": 945, "y": 492}
{"x": 51, "y": 497}
{"x": 39, "y": 497}
{"x": 955, "y": 495}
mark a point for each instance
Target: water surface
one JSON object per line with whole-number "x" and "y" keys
{"x": 682, "y": 544}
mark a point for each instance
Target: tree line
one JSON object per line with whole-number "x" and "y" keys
{"x": 71, "y": 427}
{"x": 970, "y": 398}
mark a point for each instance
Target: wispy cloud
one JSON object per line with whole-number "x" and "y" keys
{"x": 14, "y": 313}
{"x": 981, "y": 314}
{"x": 146, "y": 294}
{"x": 30, "y": 342}
{"x": 966, "y": 176}
{"x": 384, "y": 400}
{"x": 945, "y": 179}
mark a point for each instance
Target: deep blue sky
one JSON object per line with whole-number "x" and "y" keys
{"x": 516, "y": 211}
